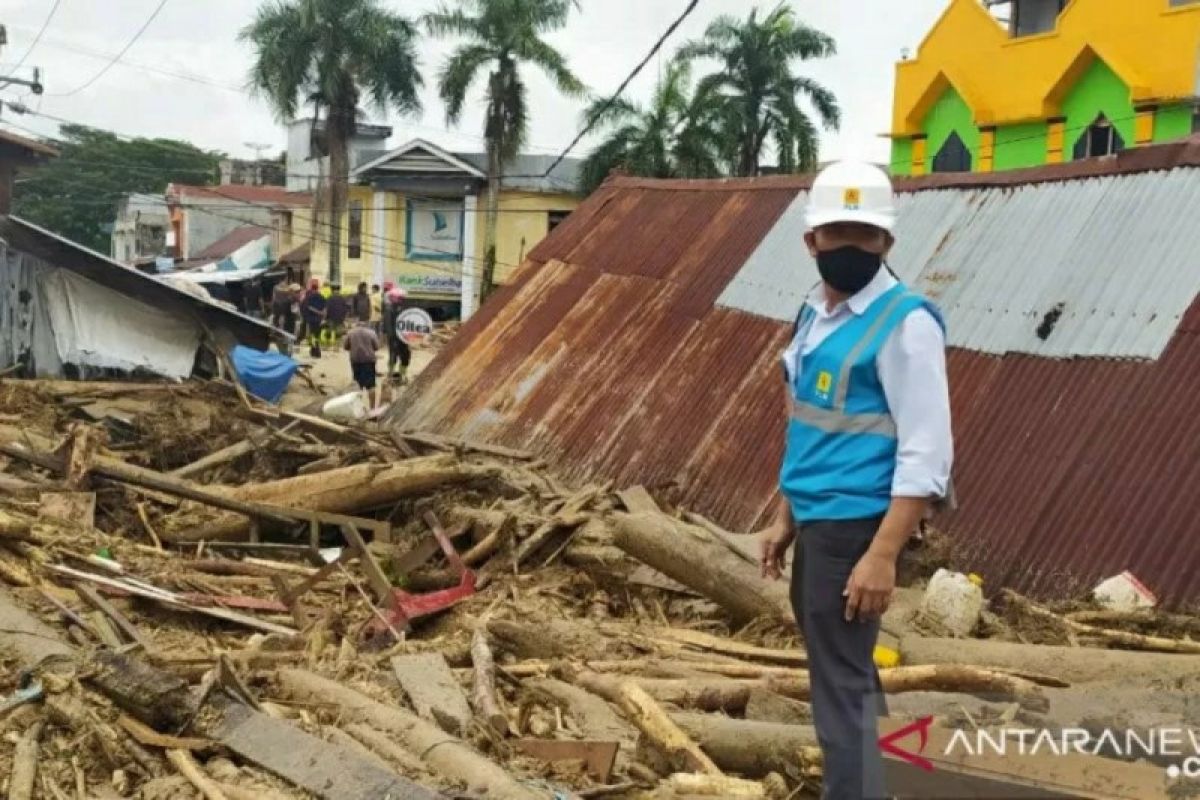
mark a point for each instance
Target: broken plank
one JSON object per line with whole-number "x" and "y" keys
{"x": 171, "y": 600}
{"x": 433, "y": 691}
{"x": 90, "y": 596}
{"x": 598, "y": 757}
{"x": 327, "y": 770}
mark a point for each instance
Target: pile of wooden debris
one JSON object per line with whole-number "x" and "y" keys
{"x": 207, "y": 597}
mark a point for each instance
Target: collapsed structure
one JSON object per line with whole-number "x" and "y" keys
{"x": 641, "y": 343}
{"x": 66, "y": 310}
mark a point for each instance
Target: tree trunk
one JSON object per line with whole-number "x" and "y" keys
{"x": 976, "y": 681}
{"x": 753, "y": 749}
{"x": 483, "y": 694}
{"x": 696, "y": 559}
{"x": 339, "y": 175}
{"x": 446, "y": 755}
{"x": 348, "y": 490}
{"x": 490, "y": 223}
{"x": 1074, "y": 664}
{"x": 676, "y": 746}
{"x": 714, "y": 694}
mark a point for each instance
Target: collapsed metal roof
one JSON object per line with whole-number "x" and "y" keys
{"x": 640, "y": 343}
{"x": 59, "y": 252}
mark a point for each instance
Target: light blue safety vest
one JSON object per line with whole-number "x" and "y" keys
{"x": 841, "y": 438}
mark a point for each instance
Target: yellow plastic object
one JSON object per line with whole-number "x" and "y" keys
{"x": 975, "y": 579}
{"x": 886, "y": 657}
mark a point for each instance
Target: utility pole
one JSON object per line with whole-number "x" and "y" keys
{"x": 258, "y": 149}
{"x": 34, "y": 85}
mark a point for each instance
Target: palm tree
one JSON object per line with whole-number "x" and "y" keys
{"x": 334, "y": 54}
{"x": 675, "y": 137}
{"x": 757, "y": 91}
{"x": 501, "y": 35}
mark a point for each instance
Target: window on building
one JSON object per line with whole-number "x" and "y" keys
{"x": 557, "y": 218}
{"x": 1184, "y": 2}
{"x": 1031, "y": 17}
{"x": 1100, "y": 139}
{"x": 354, "y": 245}
{"x": 1196, "y": 117}
{"x": 286, "y": 222}
{"x": 953, "y": 157}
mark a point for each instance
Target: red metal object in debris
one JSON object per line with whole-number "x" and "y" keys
{"x": 403, "y": 607}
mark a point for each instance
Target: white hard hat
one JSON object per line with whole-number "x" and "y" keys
{"x": 852, "y": 191}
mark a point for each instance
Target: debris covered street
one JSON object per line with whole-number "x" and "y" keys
{"x": 574, "y": 641}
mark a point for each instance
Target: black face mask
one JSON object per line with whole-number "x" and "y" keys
{"x": 848, "y": 269}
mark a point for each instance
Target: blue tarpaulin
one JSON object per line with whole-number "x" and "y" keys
{"x": 265, "y": 375}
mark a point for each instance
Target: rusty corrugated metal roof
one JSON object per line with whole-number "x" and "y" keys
{"x": 609, "y": 357}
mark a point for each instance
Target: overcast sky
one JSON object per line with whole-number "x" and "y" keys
{"x": 198, "y": 39}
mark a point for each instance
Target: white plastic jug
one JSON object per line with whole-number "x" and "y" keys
{"x": 952, "y": 602}
{"x": 1124, "y": 592}
{"x": 348, "y": 407}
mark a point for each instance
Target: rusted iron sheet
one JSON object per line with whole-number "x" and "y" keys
{"x": 610, "y": 361}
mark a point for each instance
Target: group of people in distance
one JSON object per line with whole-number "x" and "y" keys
{"x": 363, "y": 321}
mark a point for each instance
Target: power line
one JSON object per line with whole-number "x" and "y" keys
{"x": 620, "y": 89}
{"x": 36, "y": 39}
{"x": 118, "y": 56}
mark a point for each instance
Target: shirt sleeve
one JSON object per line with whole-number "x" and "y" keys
{"x": 912, "y": 369}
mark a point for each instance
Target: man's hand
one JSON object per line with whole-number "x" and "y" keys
{"x": 773, "y": 543}
{"x": 868, "y": 593}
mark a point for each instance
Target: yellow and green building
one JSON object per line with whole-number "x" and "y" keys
{"x": 1005, "y": 84}
{"x": 415, "y": 216}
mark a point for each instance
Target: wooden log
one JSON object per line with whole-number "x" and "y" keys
{"x": 649, "y": 717}
{"x": 445, "y": 754}
{"x": 752, "y": 749}
{"x": 729, "y": 647}
{"x": 25, "y": 764}
{"x": 182, "y": 760}
{"x": 766, "y": 706}
{"x": 433, "y": 691}
{"x": 693, "y": 557}
{"x": 692, "y": 785}
{"x": 1073, "y": 664}
{"x": 592, "y": 715}
{"x": 1123, "y": 639}
{"x": 378, "y": 743}
{"x": 223, "y": 456}
{"x": 975, "y": 681}
{"x": 483, "y": 691}
{"x": 550, "y": 639}
{"x": 350, "y": 489}
{"x": 726, "y": 695}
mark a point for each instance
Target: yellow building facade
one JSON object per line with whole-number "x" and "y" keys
{"x": 1032, "y": 82}
{"x": 416, "y": 216}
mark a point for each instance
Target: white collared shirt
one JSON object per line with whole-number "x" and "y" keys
{"x": 912, "y": 369}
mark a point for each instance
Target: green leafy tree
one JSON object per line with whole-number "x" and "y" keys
{"x": 756, "y": 92}
{"x": 333, "y": 55}
{"x": 76, "y": 194}
{"x": 500, "y": 35}
{"x": 676, "y": 136}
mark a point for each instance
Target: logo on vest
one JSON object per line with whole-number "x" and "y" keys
{"x": 824, "y": 384}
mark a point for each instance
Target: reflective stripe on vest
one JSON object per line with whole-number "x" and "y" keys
{"x": 835, "y": 419}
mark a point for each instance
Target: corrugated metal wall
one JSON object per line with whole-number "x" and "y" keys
{"x": 610, "y": 357}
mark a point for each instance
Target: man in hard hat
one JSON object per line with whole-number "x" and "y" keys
{"x": 868, "y": 450}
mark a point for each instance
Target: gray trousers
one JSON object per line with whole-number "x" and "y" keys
{"x": 846, "y": 693}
